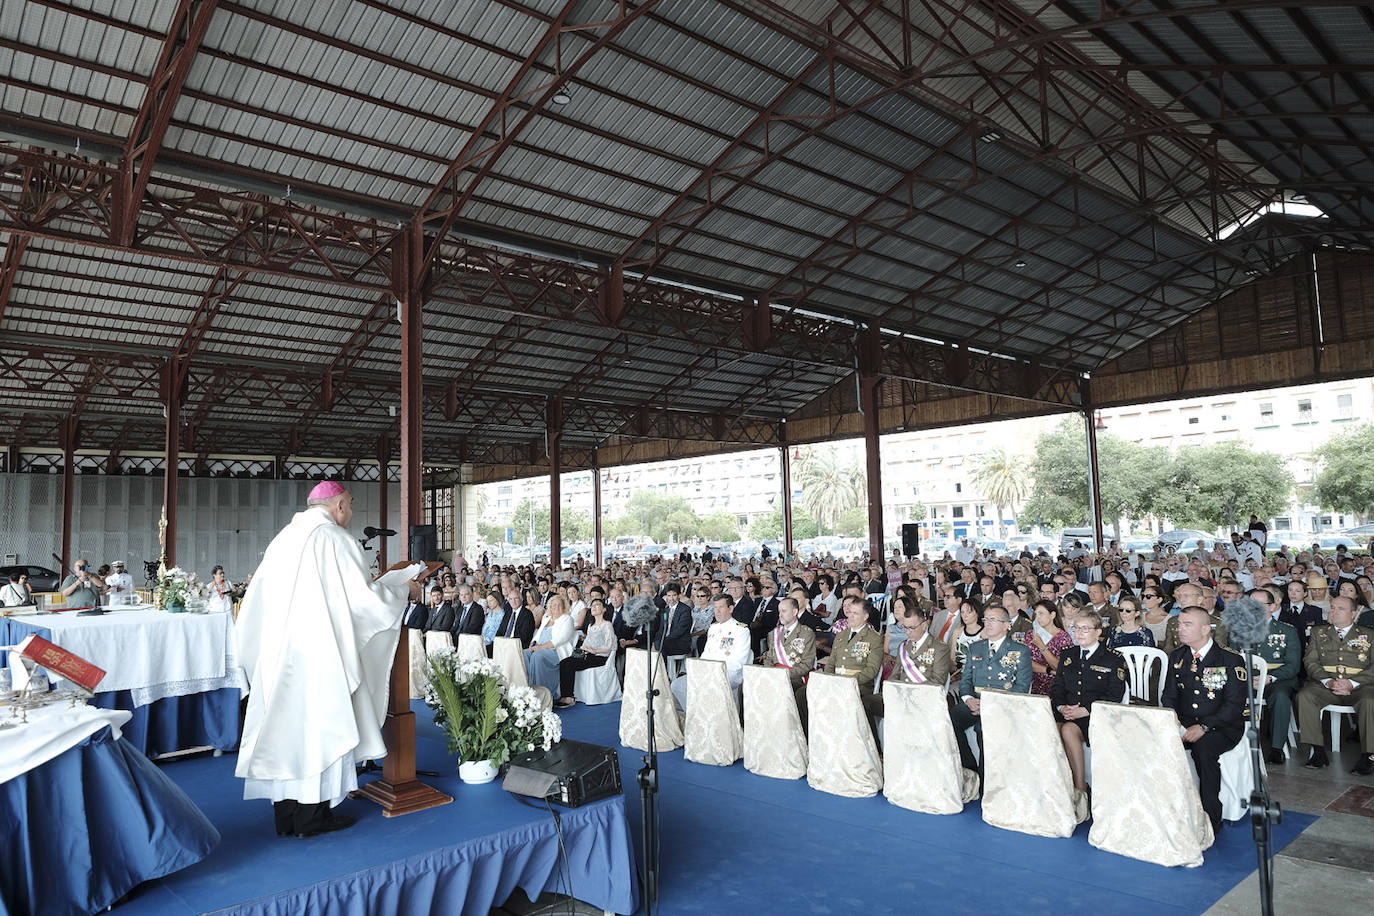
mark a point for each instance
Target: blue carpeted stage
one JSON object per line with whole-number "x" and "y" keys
{"x": 731, "y": 841}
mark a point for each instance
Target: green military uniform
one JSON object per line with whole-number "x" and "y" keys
{"x": 854, "y": 653}
{"x": 1329, "y": 655}
{"x": 799, "y": 647}
{"x": 1282, "y": 649}
{"x": 1172, "y": 642}
{"x": 929, "y": 659}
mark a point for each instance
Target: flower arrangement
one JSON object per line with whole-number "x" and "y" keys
{"x": 484, "y": 717}
{"x": 177, "y": 586}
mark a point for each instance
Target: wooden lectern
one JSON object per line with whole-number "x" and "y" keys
{"x": 399, "y": 791}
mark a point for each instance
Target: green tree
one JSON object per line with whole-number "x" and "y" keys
{"x": 829, "y": 487}
{"x": 520, "y": 521}
{"x": 1218, "y": 485}
{"x": 1004, "y": 479}
{"x": 1343, "y": 482}
{"x": 1134, "y": 479}
{"x": 679, "y": 525}
{"x": 720, "y": 526}
{"x": 576, "y": 525}
{"x": 769, "y": 527}
{"x": 853, "y": 523}
{"x": 491, "y": 532}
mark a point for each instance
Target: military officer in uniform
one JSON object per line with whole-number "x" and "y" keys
{"x": 1206, "y": 687}
{"x": 791, "y": 645}
{"x": 1088, "y": 671}
{"x": 857, "y": 651}
{"x": 727, "y": 641}
{"x": 997, "y": 662}
{"x": 1339, "y": 672}
{"x": 1190, "y": 595}
{"x": 921, "y": 658}
{"x": 1282, "y": 649}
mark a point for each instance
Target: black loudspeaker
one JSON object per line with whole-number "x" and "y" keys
{"x": 571, "y": 773}
{"x": 911, "y": 539}
{"x": 424, "y": 543}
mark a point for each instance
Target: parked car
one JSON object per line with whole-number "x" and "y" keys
{"x": 41, "y": 579}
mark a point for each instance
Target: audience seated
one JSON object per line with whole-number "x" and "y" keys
{"x": 1088, "y": 671}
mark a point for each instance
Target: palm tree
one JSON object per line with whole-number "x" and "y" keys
{"x": 1003, "y": 480}
{"x": 829, "y": 488}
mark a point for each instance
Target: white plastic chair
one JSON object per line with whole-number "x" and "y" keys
{"x": 1259, "y": 668}
{"x": 1145, "y": 668}
{"x": 1337, "y": 712}
{"x": 595, "y": 686}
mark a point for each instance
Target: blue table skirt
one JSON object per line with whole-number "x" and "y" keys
{"x": 13, "y": 631}
{"x": 80, "y": 831}
{"x": 176, "y": 723}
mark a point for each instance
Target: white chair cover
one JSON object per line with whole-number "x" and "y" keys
{"x": 1237, "y": 781}
{"x": 1145, "y": 804}
{"x": 844, "y": 756}
{"x": 774, "y": 743}
{"x": 598, "y": 685}
{"x": 471, "y": 647}
{"x": 1028, "y": 787}
{"x": 921, "y": 768}
{"x": 713, "y": 734}
{"x": 634, "y": 726}
{"x": 438, "y": 639}
{"x": 510, "y": 658}
{"x": 419, "y": 662}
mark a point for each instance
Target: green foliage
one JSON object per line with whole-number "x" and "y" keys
{"x": 491, "y": 532}
{"x": 720, "y": 526}
{"x": 852, "y": 523}
{"x": 1344, "y": 483}
{"x": 520, "y": 521}
{"x": 769, "y": 527}
{"x": 1004, "y": 479}
{"x": 1220, "y": 485}
{"x": 576, "y": 525}
{"x": 828, "y": 487}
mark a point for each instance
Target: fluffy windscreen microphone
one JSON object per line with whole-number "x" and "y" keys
{"x": 1246, "y": 622}
{"x": 640, "y": 611}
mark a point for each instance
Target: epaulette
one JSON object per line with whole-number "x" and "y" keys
{"x": 1232, "y": 651}
{"x": 739, "y": 623}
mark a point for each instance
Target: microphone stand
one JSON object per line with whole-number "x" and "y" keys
{"x": 1264, "y": 811}
{"x": 648, "y": 789}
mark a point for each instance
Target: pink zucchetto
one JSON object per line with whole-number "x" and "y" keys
{"x": 327, "y": 489}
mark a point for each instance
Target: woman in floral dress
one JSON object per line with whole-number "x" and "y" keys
{"x": 1047, "y": 639}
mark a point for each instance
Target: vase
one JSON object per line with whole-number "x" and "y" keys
{"x": 176, "y": 607}
{"x": 477, "y": 772}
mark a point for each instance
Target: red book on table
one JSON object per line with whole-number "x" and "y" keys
{"x": 58, "y": 660}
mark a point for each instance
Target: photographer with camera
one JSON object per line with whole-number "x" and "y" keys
{"x": 82, "y": 588}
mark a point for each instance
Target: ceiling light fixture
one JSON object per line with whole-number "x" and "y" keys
{"x": 1253, "y": 272}
{"x": 1020, "y": 264}
{"x": 561, "y": 97}
{"x": 990, "y": 136}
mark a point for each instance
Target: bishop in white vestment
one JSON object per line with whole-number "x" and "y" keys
{"x": 316, "y": 637}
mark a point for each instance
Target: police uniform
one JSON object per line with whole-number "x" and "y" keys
{"x": 1171, "y": 641}
{"x": 1009, "y": 668}
{"x": 1080, "y": 683}
{"x": 1211, "y": 692}
{"x": 1331, "y": 656}
{"x": 1282, "y": 649}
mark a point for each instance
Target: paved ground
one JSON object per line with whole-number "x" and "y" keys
{"x": 1330, "y": 868}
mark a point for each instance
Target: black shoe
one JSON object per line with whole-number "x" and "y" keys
{"x": 1365, "y": 767}
{"x": 1318, "y": 760}
{"x": 330, "y": 824}
{"x": 1276, "y": 757}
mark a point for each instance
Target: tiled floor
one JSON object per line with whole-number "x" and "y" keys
{"x": 1330, "y": 868}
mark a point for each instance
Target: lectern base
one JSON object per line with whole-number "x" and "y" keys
{"x": 405, "y": 798}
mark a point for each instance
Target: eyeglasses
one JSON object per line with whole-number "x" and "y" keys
{"x": 911, "y": 626}
{"x": 1086, "y": 628}
{"x": 996, "y": 620}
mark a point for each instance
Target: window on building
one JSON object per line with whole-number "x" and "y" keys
{"x": 1345, "y": 406}
{"x": 1305, "y": 409}
{"x": 958, "y": 488}
{"x": 1266, "y": 410}
{"x": 1192, "y": 421}
{"x": 957, "y": 512}
{"x": 438, "y": 505}
{"x": 1282, "y": 523}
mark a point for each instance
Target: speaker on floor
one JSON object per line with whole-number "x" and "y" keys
{"x": 911, "y": 539}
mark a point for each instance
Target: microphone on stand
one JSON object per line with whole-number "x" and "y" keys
{"x": 640, "y": 611}
{"x": 369, "y": 532}
{"x": 1246, "y": 622}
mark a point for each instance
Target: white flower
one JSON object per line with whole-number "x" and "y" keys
{"x": 501, "y": 715}
{"x": 530, "y": 747}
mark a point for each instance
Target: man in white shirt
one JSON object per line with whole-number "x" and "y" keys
{"x": 1247, "y": 549}
{"x": 964, "y": 554}
{"x": 727, "y": 641}
{"x": 119, "y": 585}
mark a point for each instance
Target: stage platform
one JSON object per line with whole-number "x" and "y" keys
{"x": 732, "y": 842}
{"x": 462, "y": 858}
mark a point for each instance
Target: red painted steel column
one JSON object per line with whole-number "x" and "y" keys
{"x": 555, "y": 433}
{"x": 398, "y": 791}
{"x": 68, "y": 460}
{"x": 383, "y": 463}
{"x": 596, "y": 515}
{"x": 786, "y": 455}
{"x": 1094, "y": 474}
{"x": 171, "y": 455}
{"x": 868, "y": 402}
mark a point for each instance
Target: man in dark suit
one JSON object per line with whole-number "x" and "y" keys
{"x": 765, "y": 614}
{"x": 626, "y": 636}
{"x": 1206, "y": 687}
{"x": 674, "y": 636}
{"x": 517, "y": 622}
{"x": 469, "y": 615}
{"x": 416, "y": 615}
